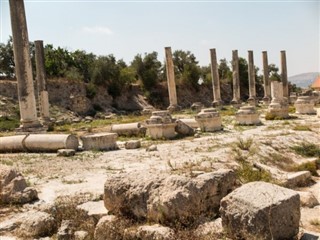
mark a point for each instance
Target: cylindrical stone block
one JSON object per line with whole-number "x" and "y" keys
{"x": 284, "y": 74}
{"x": 41, "y": 81}
{"x": 128, "y": 129}
{"x": 266, "y": 80}
{"x": 50, "y": 142}
{"x": 23, "y": 67}
{"x": 304, "y": 105}
{"x": 12, "y": 143}
{"x": 215, "y": 77}
{"x": 235, "y": 77}
{"x": 252, "y": 80}
{"x": 170, "y": 77}
{"x": 209, "y": 120}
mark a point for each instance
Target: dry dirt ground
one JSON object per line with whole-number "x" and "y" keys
{"x": 85, "y": 173}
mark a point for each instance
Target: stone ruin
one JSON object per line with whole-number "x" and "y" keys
{"x": 209, "y": 120}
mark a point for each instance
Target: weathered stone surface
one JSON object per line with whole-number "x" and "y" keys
{"x": 304, "y": 105}
{"x": 36, "y": 224}
{"x": 298, "y": 179}
{"x": 108, "y": 227}
{"x": 209, "y": 228}
{"x": 197, "y": 106}
{"x": 167, "y": 199}
{"x": 209, "y": 120}
{"x": 81, "y": 235}
{"x": 247, "y": 115}
{"x": 152, "y": 148}
{"x": 260, "y": 210}
{"x": 307, "y": 199}
{"x": 149, "y": 232}
{"x": 129, "y": 129}
{"x": 94, "y": 209}
{"x": 101, "y": 141}
{"x": 65, "y": 232}
{"x": 66, "y": 152}
{"x": 132, "y": 144}
{"x": 191, "y": 122}
{"x": 183, "y": 129}
{"x": 14, "y": 189}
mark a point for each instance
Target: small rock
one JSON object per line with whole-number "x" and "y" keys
{"x": 81, "y": 235}
{"x": 197, "y": 135}
{"x": 76, "y": 120}
{"x": 183, "y": 129}
{"x": 66, "y": 152}
{"x": 152, "y": 148}
{"x": 153, "y": 232}
{"x": 307, "y": 199}
{"x": 133, "y": 144}
{"x": 65, "y": 231}
{"x": 209, "y": 228}
{"x": 298, "y": 179}
{"x": 94, "y": 209}
{"x": 108, "y": 228}
{"x": 88, "y": 118}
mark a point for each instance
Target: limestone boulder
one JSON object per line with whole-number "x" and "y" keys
{"x": 167, "y": 199}
{"x": 14, "y": 188}
{"x": 183, "y": 129}
{"x": 108, "y": 227}
{"x": 307, "y": 199}
{"x": 149, "y": 232}
{"x": 260, "y": 210}
{"x": 132, "y": 144}
{"x": 36, "y": 224}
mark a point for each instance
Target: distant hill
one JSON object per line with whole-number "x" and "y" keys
{"x": 303, "y": 80}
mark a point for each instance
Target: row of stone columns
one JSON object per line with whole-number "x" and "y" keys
{"x": 235, "y": 78}
{"x": 23, "y": 70}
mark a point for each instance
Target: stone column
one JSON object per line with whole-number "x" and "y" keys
{"x": 284, "y": 75}
{"x": 266, "y": 80}
{"x": 215, "y": 78}
{"x": 252, "y": 80}
{"x": 171, "y": 81}
{"x": 235, "y": 77}
{"x": 23, "y": 68}
{"x": 42, "y": 82}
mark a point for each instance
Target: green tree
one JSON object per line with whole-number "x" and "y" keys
{"x": 148, "y": 69}
{"x": 82, "y": 64}
{"x": 224, "y": 71}
{"x": 7, "y": 59}
{"x": 273, "y": 71}
{"x": 186, "y": 68}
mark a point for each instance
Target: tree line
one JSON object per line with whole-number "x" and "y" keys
{"x": 115, "y": 74}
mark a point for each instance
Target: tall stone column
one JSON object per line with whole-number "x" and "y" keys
{"x": 266, "y": 80}
{"x": 171, "y": 81}
{"x": 215, "y": 78}
{"x": 23, "y": 68}
{"x": 235, "y": 77}
{"x": 252, "y": 80}
{"x": 42, "y": 82}
{"x": 284, "y": 75}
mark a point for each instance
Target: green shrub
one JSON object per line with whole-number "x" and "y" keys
{"x": 301, "y": 128}
{"x": 9, "y": 123}
{"x": 307, "y": 150}
{"x": 308, "y": 166}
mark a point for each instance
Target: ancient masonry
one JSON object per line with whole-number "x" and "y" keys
{"x": 215, "y": 78}
{"x": 235, "y": 78}
{"x": 23, "y": 68}
{"x": 252, "y": 80}
{"x": 266, "y": 80}
{"x": 41, "y": 82}
{"x": 284, "y": 75}
{"x": 171, "y": 81}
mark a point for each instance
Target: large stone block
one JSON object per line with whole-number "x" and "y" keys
{"x": 247, "y": 115}
{"x": 209, "y": 120}
{"x": 260, "y": 210}
{"x": 167, "y": 199}
{"x": 101, "y": 141}
{"x": 304, "y": 105}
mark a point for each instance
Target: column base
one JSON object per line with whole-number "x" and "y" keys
{"x": 236, "y": 103}
{"x": 174, "y": 108}
{"x": 252, "y": 101}
{"x": 31, "y": 127}
{"x": 266, "y": 100}
{"x": 217, "y": 103}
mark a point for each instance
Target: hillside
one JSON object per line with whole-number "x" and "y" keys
{"x": 304, "y": 79}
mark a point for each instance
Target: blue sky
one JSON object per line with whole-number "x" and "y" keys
{"x": 125, "y": 28}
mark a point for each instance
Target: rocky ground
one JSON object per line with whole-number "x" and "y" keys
{"x": 265, "y": 152}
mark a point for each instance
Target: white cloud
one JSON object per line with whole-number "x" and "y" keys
{"x": 98, "y": 30}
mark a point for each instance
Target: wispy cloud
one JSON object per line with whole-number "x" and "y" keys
{"x": 98, "y": 30}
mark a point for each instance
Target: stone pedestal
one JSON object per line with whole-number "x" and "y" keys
{"x": 247, "y": 115}
{"x": 209, "y": 120}
{"x": 100, "y": 142}
{"x": 304, "y": 105}
{"x": 279, "y": 106}
{"x": 161, "y": 125}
